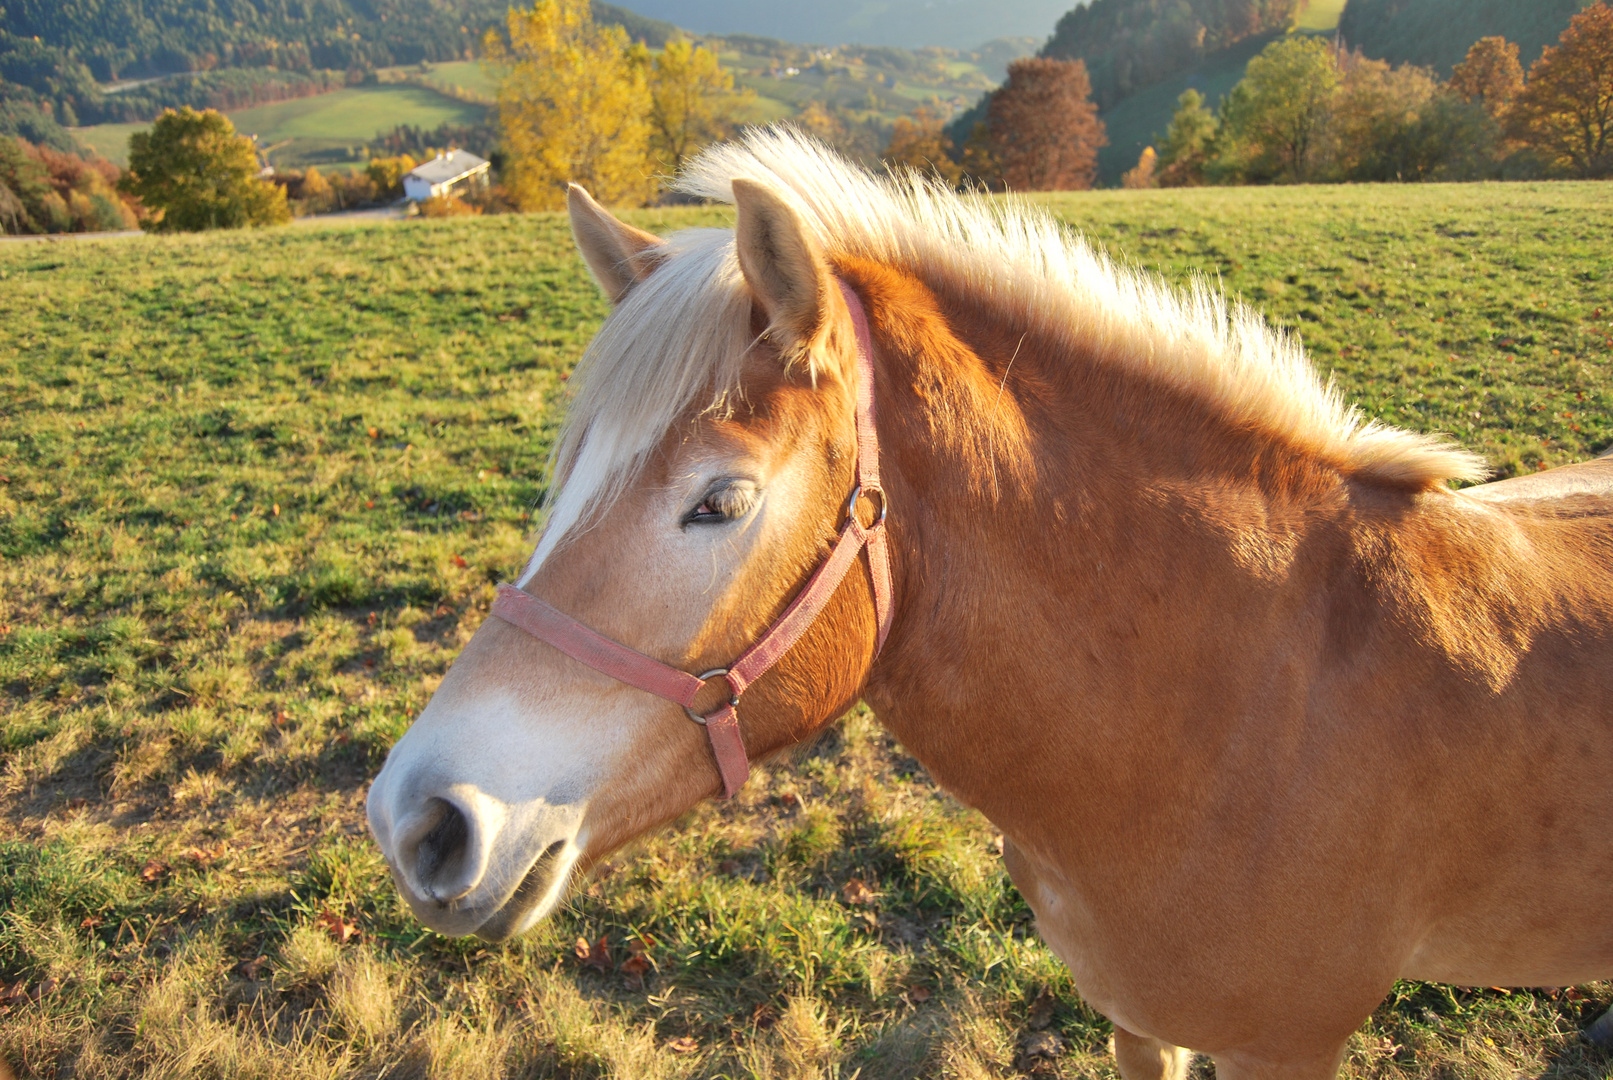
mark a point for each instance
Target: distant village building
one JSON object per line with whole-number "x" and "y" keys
{"x": 452, "y": 173}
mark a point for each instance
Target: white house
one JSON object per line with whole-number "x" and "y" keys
{"x": 445, "y": 174}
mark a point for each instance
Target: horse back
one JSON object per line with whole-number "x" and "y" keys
{"x": 1582, "y": 478}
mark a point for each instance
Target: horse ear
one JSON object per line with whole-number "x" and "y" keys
{"x": 618, "y": 254}
{"x": 783, "y": 267}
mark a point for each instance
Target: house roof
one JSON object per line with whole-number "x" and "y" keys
{"x": 448, "y": 167}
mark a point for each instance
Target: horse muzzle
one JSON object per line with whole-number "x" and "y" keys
{"x": 468, "y": 863}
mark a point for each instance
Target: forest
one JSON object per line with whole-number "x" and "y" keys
{"x": 1438, "y": 33}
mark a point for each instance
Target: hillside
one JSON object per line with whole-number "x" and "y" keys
{"x": 956, "y": 24}
{"x": 1438, "y": 33}
{"x": 1130, "y": 45}
{"x": 108, "y": 60}
{"x": 872, "y": 85}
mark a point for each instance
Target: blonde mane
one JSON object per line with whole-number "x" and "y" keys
{"x": 684, "y": 329}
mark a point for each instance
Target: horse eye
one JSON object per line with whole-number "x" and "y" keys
{"x": 726, "y": 503}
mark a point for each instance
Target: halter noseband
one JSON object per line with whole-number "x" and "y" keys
{"x": 588, "y": 646}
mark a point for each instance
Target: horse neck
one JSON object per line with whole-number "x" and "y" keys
{"x": 1077, "y": 545}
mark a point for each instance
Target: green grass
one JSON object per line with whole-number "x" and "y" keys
{"x": 325, "y": 129}
{"x": 1320, "y": 16}
{"x": 469, "y": 75}
{"x": 111, "y": 141}
{"x": 254, "y": 490}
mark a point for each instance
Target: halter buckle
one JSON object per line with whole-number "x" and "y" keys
{"x": 857, "y": 493}
{"x": 733, "y": 699}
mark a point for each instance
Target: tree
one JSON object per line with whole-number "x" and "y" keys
{"x": 26, "y": 199}
{"x": 193, "y": 172}
{"x": 386, "y": 174}
{"x": 692, "y": 102}
{"x": 1276, "y": 114}
{"x": 1044, "y": 127}
{"x": 1490, "y": 76}
{"x": 919, "y": 141}
{"x": 1144, "y": 174}
{"x": 573, "y": 103}
{"x": 1565, "y": 110}
{"x": 1399, "y": 124}
{"x": 1188, "y": 142}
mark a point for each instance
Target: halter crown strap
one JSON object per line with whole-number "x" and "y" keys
{"x": 587, "y": 646}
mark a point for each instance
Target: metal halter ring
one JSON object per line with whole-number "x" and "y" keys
{"x": 733, "y": 699}
{"x": 857, "y": 493}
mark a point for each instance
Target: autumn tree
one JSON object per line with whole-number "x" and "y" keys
{"x": 1188, "y": 142}
{"x": 919, "y": 141}
{"x": 574, "y": 105}
{"x": 1145, "y": 174}
{"x": 193, "y": 172}
{"x": 1275, "y": 117}
{"x": 1044, "y": 127}
{"x": 1565, "y": 110}
{"x": 692, "y": 102}
{"x": 1400, "y": 124}
{"x": 1490, "y": 76}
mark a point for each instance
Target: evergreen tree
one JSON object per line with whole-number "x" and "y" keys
{"x": 1188, "y": 142}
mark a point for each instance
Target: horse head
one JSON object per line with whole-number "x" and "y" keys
{"x": 701, "y": 478}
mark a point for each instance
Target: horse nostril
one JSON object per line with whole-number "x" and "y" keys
{"x": 443, "y": 855}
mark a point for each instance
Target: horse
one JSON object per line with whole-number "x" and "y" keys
{"x": 1269, "y": 714}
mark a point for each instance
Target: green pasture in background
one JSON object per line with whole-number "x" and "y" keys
{"x": 324, "y": 130}
{"x": 255, "y": 489}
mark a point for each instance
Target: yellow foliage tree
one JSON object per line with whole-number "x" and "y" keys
{"x": 1146, "y": 172}
{"x": 387, "y": 174}
{"x": 692, "y": 102}
{"x": 574, "y": 105}
{"x": 920, "y": 142}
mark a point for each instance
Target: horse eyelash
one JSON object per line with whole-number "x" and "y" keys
{"x": 729, "y": 501}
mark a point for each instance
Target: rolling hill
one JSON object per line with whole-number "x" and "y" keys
{"x": 956, "y": 24}
{"x": 1438, "y": 33}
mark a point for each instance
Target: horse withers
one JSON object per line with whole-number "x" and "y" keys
{"x": 1269, "y": 715}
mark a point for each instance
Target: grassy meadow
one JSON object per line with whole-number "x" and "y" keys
{"x": 325, "y": 129}
{"x": 255, "y": 489}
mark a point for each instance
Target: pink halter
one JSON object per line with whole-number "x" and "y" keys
{"x": 588, "y": 646}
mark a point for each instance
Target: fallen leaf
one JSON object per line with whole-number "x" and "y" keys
{"x": 918, "y": 994}
{"x": 596, "y": 955}
{"x": 153, "y": 870}
{"x": 634, "y": 969}
{"x": 89, "y": 922}
{"x": 201, "y": 856}
{"x": 459, "y": 561}
{"x": 857, "y": 892}
{"x": 337, "y": 926}
{"x": 276, "y": 509}
{"x": 683, "y": 1045}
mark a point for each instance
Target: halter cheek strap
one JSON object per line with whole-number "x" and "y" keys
{"x": 588, "y": 646}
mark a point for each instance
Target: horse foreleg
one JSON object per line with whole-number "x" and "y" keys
{"x": 1142, "y": 1057}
